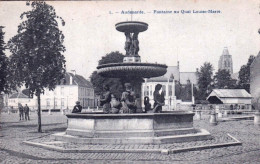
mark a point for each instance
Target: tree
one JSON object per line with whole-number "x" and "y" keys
{"x": 244, "y": 75}
{"x": 3, "y": 64}
{"x": 115, "y": 84}
{"x": 222, "y": 79}
{"x": 37, "y": 61}
{"x": 205, "y": 81}
{"x": 112, "y": 57}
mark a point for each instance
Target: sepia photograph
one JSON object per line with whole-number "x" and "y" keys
{"x": 130, "y": 81}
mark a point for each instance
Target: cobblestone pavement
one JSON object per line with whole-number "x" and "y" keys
{"x": 13, "y": 132}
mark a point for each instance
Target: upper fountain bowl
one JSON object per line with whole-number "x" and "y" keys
{"x": 121, "y": 70}
{"x": 131, "y": 26}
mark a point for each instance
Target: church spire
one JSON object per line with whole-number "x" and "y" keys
{"x": 225, "y": 61}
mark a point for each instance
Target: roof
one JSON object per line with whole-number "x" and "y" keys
{"x": 171, "y": 71}
{"x": 192, "y": 76}
{"x": 202, "y": 102}
{"x": 159, "y": 79}
{"x": 76, "y": 80}
{"x": 18, "y": 95}
{"x": 230, "y": 93}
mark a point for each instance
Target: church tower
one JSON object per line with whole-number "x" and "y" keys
{"x": 225, "y": 61}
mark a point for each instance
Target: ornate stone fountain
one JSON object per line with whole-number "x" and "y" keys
{"x": 143, "y": 128}
{"x": 132, "y": 69}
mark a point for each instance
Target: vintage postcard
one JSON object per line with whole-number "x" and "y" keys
{"x": 130, "y": 81}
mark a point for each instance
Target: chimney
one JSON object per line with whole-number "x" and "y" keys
{"x": 71, "y": 80}
{"x": 178, "y": 64}
{"x": 74, "y": 72}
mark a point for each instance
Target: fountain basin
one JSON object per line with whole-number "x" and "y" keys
{"x": 144, "y": 128}
{"x": 144, "y": 70}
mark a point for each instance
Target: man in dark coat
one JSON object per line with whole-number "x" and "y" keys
{"x": 20, "y": 107}
{"x": 26, "y": 112}
{"x": 77, "y": 108}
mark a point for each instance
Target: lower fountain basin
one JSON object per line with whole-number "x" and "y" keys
{"x": 144, "y": 128}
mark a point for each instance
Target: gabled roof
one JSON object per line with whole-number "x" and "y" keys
{"x": 76, "y": 80}
{"x": 18, "y": 95}
{"x": 192, "y": 76}
{"x": 230, "y": 93}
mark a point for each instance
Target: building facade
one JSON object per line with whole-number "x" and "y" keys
{"x": 177, "y": 87}
{"x": 225, "y": 61}
{"x": 231, "y": 98}
{"x": 73, "y": 88}
{"x": 22, "y": 98}
{"x": 255, "y": 80}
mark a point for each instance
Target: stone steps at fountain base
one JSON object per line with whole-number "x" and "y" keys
{"x": 201, "y": 134}
{"x": 129, "y": 133}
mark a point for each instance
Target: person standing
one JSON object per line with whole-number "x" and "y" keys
{"x": 26, "y": 112}
{"x": 158, "y": 99}
{"x": 20, "y": 108}
{"x": 77, "y": 108}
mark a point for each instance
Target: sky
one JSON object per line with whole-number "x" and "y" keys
{"x": 191, "y": 38}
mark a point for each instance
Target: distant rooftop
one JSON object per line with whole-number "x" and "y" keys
{"x": 18, "y": 95}
{"x": 172, "y": 71}
{"x": 230, "y": 93}
{"x": 76, "y": 80}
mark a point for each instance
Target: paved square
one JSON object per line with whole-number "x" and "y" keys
{"x": 13, "y": 132}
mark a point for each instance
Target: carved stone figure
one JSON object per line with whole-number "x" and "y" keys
{"x": 128, "y": 100}
{"x": 105, "y": 101}
{"x": 135, "y": 44}
{"x": 115, "y": 105}
{"x": 128, "y": 43}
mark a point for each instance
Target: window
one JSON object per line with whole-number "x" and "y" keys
{"x": 62, "y": 102}
{"x": 47, "y": 92}
{"x": 62, "y": 90}
{"x": 170, "y": 90}
{"x": 147, "y": 90}
{"x": 89, "y": 92}
{"x": 55, "y": 103}
{"x": 48, "y": 103}
{"x": 164, "y": 89}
